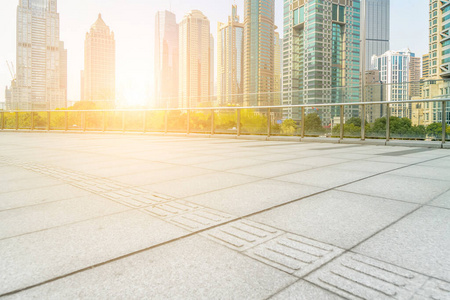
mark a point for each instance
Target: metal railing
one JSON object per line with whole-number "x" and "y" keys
{"x": 238, "y": 131}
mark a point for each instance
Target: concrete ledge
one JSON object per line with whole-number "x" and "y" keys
{"x": 253, "y": 137}
{"x": 284, "y": 138}
{"x": 446, "y": 145}
{"x": 320, "y": 140}
{"x": 376, "y": 142}
{"x": 414, "y": 144}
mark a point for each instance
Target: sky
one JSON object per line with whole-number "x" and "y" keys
{"x": 133, "y": 24}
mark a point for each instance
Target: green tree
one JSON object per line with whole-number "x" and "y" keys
{"x": 288, "y": 127}
{"x": 313, "y": 124}
{"x": 435, "y": 130}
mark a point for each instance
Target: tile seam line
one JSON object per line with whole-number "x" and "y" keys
{"x": 224, "y": 223}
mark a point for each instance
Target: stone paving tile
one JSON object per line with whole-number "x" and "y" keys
{"x": 355, "y": 276}
{"x": 440, "y": 163}
{"x": 228, "y": 164}
{"x": 40, "y": 195}
{"x": 269, "y": 170}
{"x": 318, "y": 161}
{"x": 424, "y": 172}
{"x": 200, "y": 184}
{"x": 419, "y": 242}
{"x": 303, "y": 290}
{"x": 396, "y": 159}
{"x": 410, "y": 189}
{"x": 40, "y": 256}
{"x": 367, "y": 166}
{"x": 123, "y": 170}
{"x": 337, "y": 218}
{"x": 151, "y": 177}
{"x": 442, "y": 201}
{"x": 47, "y": 215}
{"x": 324, "y": 177}
{"x": 253, "y": 197}
{"x": 192, "y": 268}
{"x": 26, "y": 183}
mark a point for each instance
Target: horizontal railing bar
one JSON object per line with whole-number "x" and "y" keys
{"x": 242, "y": 107}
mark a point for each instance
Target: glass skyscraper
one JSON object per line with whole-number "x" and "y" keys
{"x": 39, "y": 58}
{"x": 166, "y": 60}
{"x": 377, "y": 28}
{"x": 321, "y": 56}
{"x": 230, "y": 60}
{"x": 259, "y": 51}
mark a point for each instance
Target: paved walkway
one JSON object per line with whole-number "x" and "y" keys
{"x": 124, "y": 216}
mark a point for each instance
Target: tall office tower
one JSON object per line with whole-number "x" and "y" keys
{"x": 211, "y": 99}
{"x": 278, "y": 65}
{"x": 425, "y": 65}
{"x": 374, "y": 92}
{"x": 414, "y": 76}
{"x": 38, "y": 57}
{"x": 194, "y": 60}
{"x": 166, "y": 60}
{"x": 321, "y": 56}
{"x": 63, "y": 71}
{"x": 99, "y": 74}
{"x": 230, "y": 60}
{"x": 397, "y": 69}
{"x": 259, "y": 48}
{"x": 377, "y": 28}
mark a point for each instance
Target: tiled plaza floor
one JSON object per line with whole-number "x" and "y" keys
{"x": 91, "y": 216}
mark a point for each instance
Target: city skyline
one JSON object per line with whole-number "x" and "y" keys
{"x": 135, "y": 74}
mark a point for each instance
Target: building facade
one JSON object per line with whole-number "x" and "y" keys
{"x": 230, "y": 60}
{"x": 166, "y": 60}
{"x": 259, "y": 52}
{"x": 277, "y": 70}
{"x": 37, "y": 85}
{"x": 374, "y": 92}
{"x": 321, "y": 56}
{"x": 377, "y": 28}
{"x": 194, "y": 60}
{"x": 398, "y": 69}
{"x": 98, "y": 82}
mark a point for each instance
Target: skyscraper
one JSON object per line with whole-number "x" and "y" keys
{"x": 397, "y": 70}
{"x": 377, "y": 28}
{"x": 166, "y": 60}
{"x": 277, "y": 69}
{"x": 38, "y": 84}
{"x": 425, "y": 65}
{"x": 230, "y": 60}
{"x": 63, "y": 71}
{"x": 99, "y": 75}
{"x": 259, "y": 51}
{"x": 321, "y": 55}
{"x": 194, "y": 60}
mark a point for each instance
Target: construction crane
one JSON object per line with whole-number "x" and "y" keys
{"x": 11, "y": 69}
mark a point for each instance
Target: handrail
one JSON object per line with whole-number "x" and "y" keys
{"x": 241, "y": 107}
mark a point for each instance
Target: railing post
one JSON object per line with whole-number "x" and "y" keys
{"x": 123, "y": 121}
{"x": 104, "y": 120}
{"x": 444, "y": 121}
{"x": 188, "y": 120}
{"x": 83, "y": 117}
{"x": 3, "y": 120}
{"x": 269, "y": 123}
{"x": 363, "y": 122}
{"x": 212, "y": 121}
{"x": 66, "y": 121}
{"x": 144, "y": 120}
{"x": 341, "y": 124}
{"x": 32, "y": 120}
{"x": 238, "y": 122}
{"x": 166, "y": 121}
{"x": 303, "y": 123}
{"x": 388, "y": 122}
{"x": 17, "y": 120}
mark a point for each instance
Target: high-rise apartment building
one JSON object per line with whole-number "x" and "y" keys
{"x": 426, "y": 66}
{"x": 321, "y": 55}
{"x": 230, "y": 60}
{"x": 277, "y": 69}
{"x": 377, "y": 28}
{"x": 98, "y": 83}
{"x": 63, "y": 71}
{"x": 194, "y": 60}
{"x": 259, "y": 51}
{"x": 37, "y": 85}
{"x": 166, "y": 60}
{"x": 211, "y": 71}
{"x": 397, "y": 70}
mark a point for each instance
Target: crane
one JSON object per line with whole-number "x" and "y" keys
{"x": 11, "y": 69}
